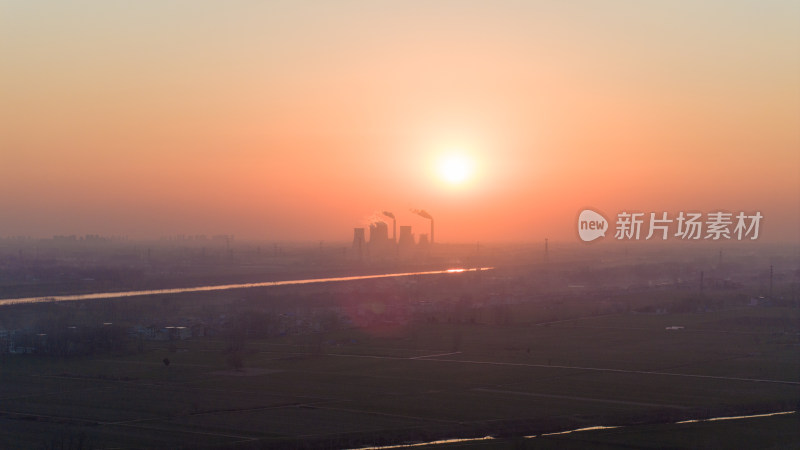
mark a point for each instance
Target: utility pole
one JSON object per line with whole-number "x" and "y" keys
{"x": 770, "y": 281}
{"x": 546, "y": 250}
{"x": 702, "y": 275}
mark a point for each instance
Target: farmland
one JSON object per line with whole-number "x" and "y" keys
{"x": 638, "y": 339}
{"x": 421, "y": 381}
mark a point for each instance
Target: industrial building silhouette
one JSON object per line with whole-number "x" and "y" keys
{"x": 380, "y": 244}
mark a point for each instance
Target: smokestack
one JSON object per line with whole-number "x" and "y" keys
{"x": 358, "y": 241}
{"x": 423, "y": 213}
{"x": 394, "y": 225}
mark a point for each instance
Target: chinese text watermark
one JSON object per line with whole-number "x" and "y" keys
{"x": 714, "y": 225}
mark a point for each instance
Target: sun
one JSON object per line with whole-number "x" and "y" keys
{"x": 456, "y": 168}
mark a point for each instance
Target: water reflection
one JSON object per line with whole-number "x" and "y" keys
{"x": 222, "y": 287}
{"x": 714, "y": 419}
{"x": 423, "y": 444}
{"x": 598, "y": 427}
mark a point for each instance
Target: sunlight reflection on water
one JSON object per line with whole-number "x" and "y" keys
{"x": 598, "y": 427}
{"x": 421, "y": 444}
{"x": 714, "y": 419}
{"x": 222, "y": 287}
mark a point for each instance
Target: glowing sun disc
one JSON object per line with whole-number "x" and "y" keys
{"x": 455, "y": 169}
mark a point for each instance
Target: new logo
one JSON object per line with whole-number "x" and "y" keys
{"x": 591, "y": 225}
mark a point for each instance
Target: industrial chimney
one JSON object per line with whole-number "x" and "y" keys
{"x": 394, "y": 225}
{"x": 358, "y": 241}
{"x": 423, "y": 213}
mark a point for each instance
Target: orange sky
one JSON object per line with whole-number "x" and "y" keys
{"x": 299, "y": 120}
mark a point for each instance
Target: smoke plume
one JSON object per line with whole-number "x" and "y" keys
{"x": 422, "y": 213}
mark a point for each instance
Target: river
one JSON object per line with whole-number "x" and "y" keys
{"x": 223, "y": 287}
{"x": 577, "y": 430}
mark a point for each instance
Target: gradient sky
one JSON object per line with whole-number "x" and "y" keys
{"x": 298, "y": 120}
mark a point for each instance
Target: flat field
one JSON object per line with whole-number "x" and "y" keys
{"x": 403, "y": 383}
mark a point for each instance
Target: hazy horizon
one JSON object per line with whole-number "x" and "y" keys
{"x": 298, "y": 121}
